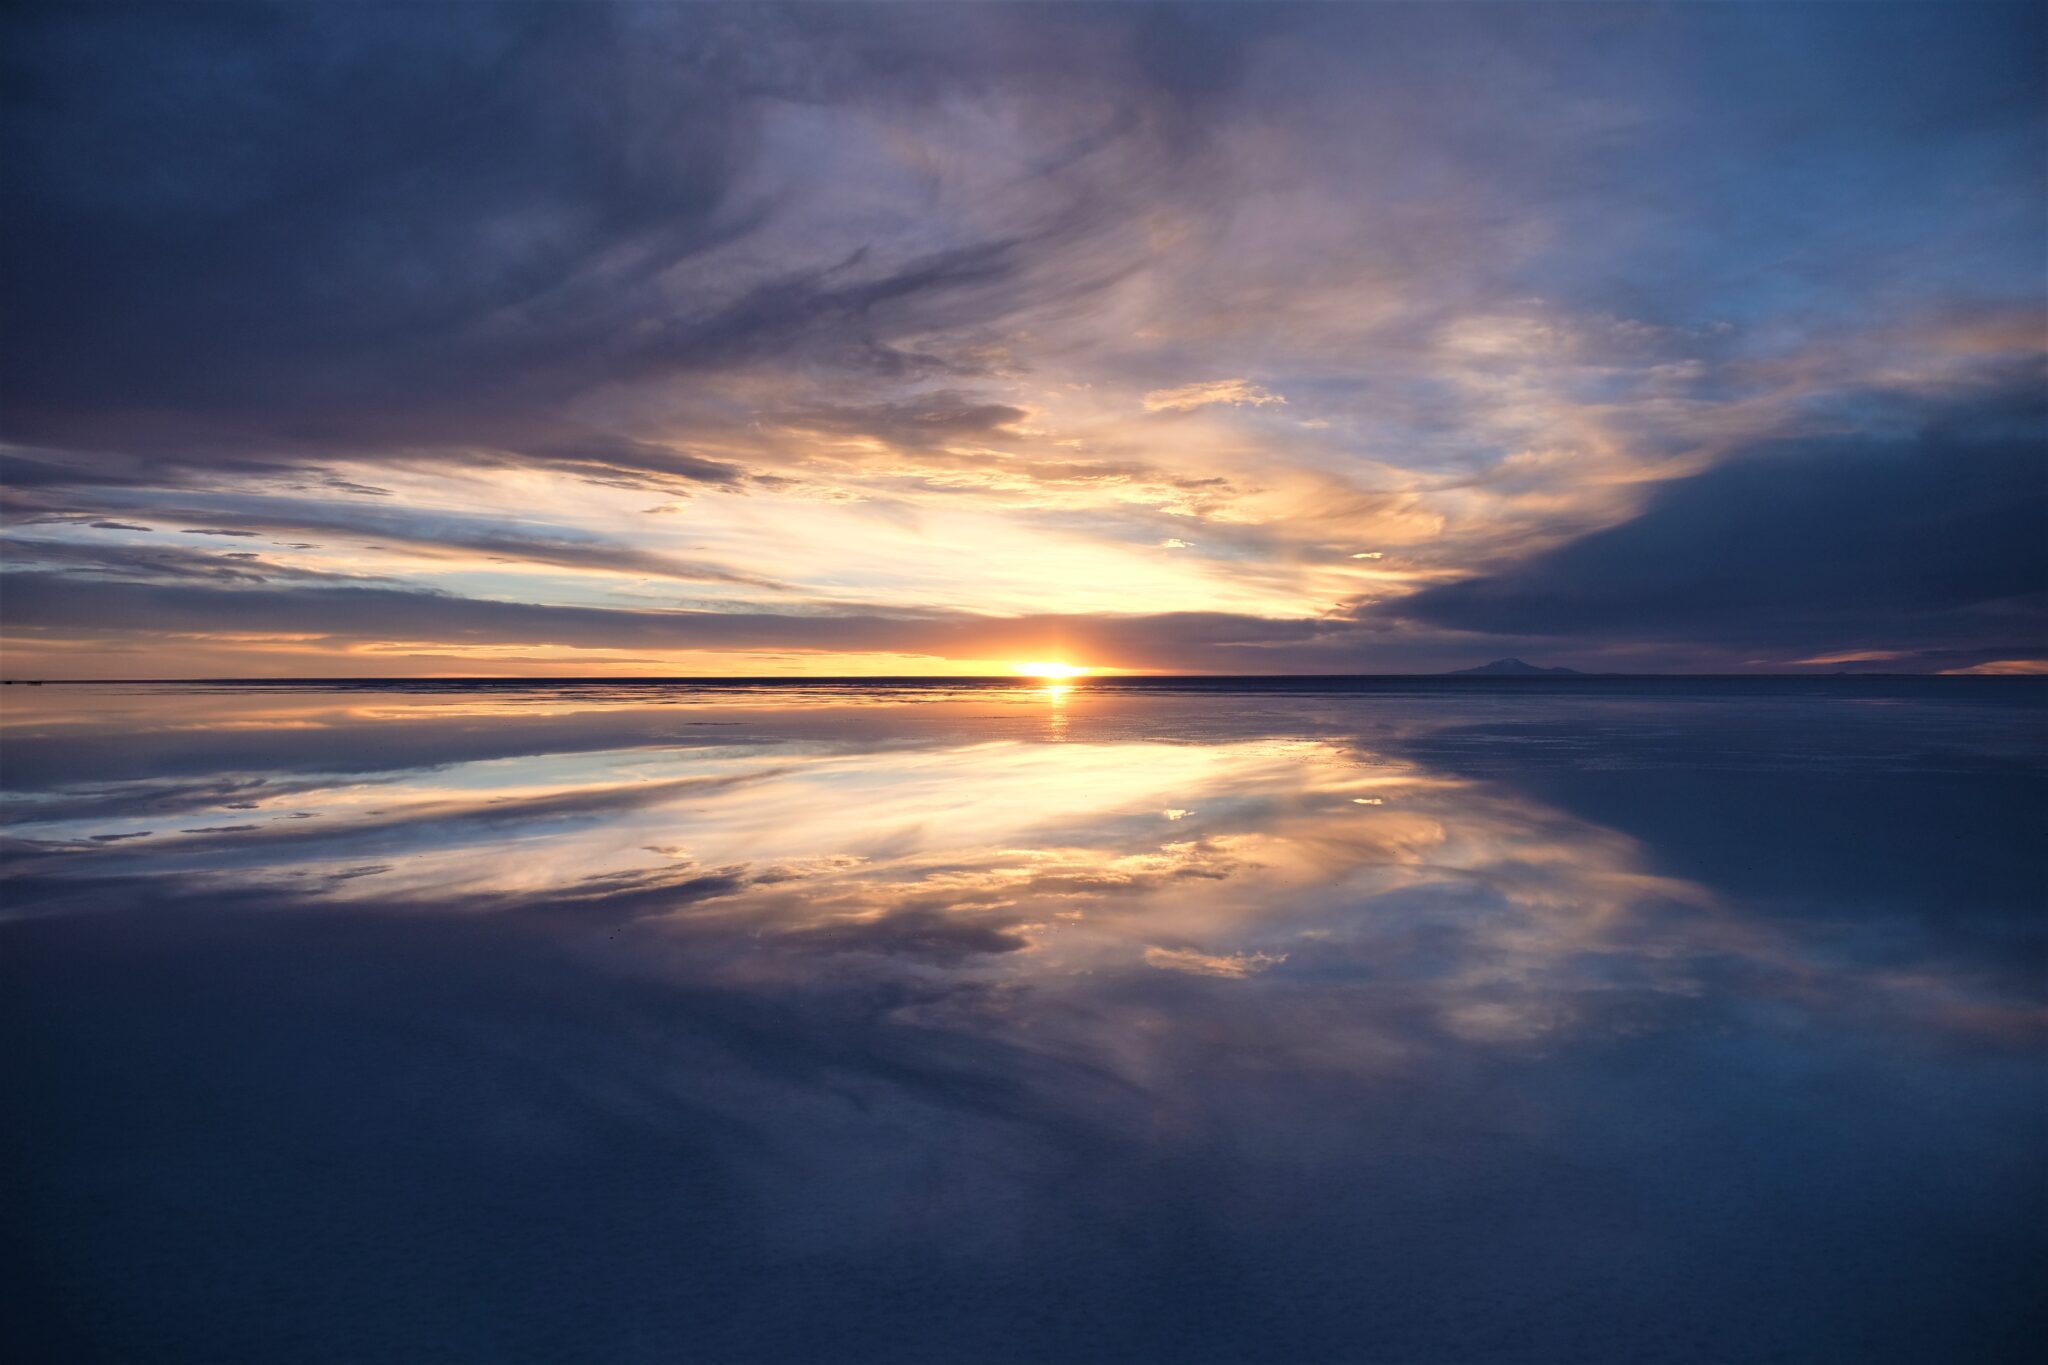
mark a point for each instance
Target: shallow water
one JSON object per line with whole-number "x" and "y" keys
{"x": 1380, "y": 1021}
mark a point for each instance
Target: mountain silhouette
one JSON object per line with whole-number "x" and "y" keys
{"x": 1512, "y": 668}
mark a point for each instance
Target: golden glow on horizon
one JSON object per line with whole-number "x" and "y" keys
{"x": 1048, "y": 670}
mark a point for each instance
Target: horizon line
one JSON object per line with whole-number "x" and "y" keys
{"x": 1020, "y": 680}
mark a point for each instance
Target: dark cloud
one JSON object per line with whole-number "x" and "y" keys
{"x": 300, "y": 209}
{"x": 624, "y": 462}
{"x": 360, "y": 226}
{"x": 616, "y": 896}
{"x": 912, "y": 934}
{"x": 145, "y": 562}
{"x": 1872, "y": 538}
{"x": 931, "y": 418}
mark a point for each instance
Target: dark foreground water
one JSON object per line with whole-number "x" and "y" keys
{"x": 1573, "y": 1022}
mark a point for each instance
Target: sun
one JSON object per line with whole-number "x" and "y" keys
{"x": 1045, "y": 669}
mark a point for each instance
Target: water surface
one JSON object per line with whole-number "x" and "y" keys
{"x": 1324, "y": 1022}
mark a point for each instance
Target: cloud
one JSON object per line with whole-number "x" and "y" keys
{"x": 1232, "y": 966}
{"x": 1234, "y": 392}
{"x": 274, "y": 267}
{"x": 402, "y": 828}
{"x": 913, "y": 934}
{"x": 1873, "y": 539}
{"x": 930, "y": 418}
{"x": 147, "y": 562}
{"x": 446, "y": 228}
{"x": 2006, "y": 668}
{"x": 40, "y": 601}
{"x": 431, "y": 531}
{"x": 387, "y": 250}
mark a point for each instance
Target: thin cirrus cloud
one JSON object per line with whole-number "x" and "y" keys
{"x": 1232, "y": 392}
{"x": 923, "y": 329}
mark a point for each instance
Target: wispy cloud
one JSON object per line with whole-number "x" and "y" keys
{"x": 1231, "y": 392}
{"x": 1232, "y": 966}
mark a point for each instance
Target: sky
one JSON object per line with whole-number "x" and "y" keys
{"x": 576, "y": 339}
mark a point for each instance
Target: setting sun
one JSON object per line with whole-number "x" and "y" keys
{"x": 1049, "y": 670}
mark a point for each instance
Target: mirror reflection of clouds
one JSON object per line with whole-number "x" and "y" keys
{"x": 963, "y": 837}
{"x": 1224, "y": 1026}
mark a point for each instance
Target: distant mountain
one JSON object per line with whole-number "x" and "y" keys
{"x": 1513, "y": 668}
